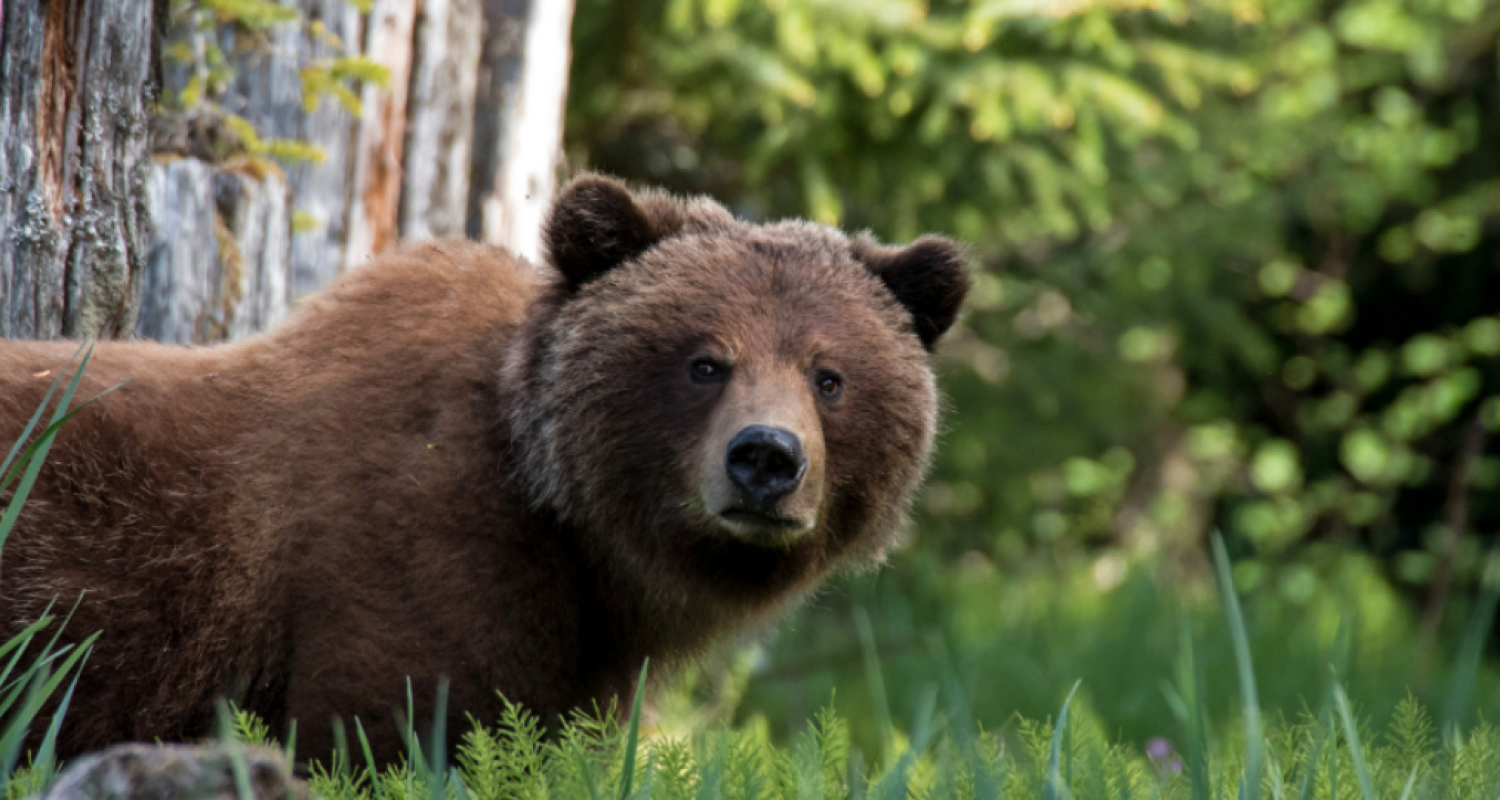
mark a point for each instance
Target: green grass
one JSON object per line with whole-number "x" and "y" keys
{"x": 1018, "y": 640}
{"x": 1321, "y": 753}
{"x": 1324, "y": 752}
{"x": 34, "y": 667}
{"x": 1318, "y": 756}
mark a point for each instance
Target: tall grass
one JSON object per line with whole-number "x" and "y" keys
{"x": 32, "y": 671}
{"x": 1318, "y": 756}
{"x": 1324, "y": 753}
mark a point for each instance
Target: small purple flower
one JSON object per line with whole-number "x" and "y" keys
{"x": 1161, "y": 753}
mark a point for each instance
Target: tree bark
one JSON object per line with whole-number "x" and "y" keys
{"x": 74, "y": 98}
{"x": 220, "y": 260}
{"x": 519, "y": 135}
{"x": 466, "y": 139}
{"x": 440, "y": 119}
{"x": 375, "y": 197}
{"x": 268, "y": 93}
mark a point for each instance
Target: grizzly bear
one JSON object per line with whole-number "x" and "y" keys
{"x": 453, "y": 464}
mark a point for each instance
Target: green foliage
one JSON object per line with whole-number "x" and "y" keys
{"x": 1234, "y": 251}
{"x": 1017, "y": 642}
{"x": 1071, "y": 757}
{"x": 1237, "y": 272}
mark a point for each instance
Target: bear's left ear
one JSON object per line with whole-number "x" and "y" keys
{"x": 594, "y": 226}
{"x": 930, "y": 277}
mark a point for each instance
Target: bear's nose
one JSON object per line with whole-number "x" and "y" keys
{"x": 767, "y": 464}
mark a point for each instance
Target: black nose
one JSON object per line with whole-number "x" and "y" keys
{"x": 767, "y": 464}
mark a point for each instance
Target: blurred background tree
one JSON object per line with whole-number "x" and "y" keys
{"x": 1240, "y": 269}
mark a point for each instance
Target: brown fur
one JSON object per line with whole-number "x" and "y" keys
{"x": 452, "y": 464}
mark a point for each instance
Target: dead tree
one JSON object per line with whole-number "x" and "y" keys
{"x": 74, "y": 102}
{"x": 465, "y": 139}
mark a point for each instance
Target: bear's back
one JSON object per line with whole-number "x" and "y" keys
{"x": 187, "y": 501}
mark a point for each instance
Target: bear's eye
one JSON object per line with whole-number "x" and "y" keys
{"x": 707, "y": 370}
{"x": 829, "y": 384}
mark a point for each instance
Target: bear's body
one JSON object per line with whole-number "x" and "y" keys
{"x": 452, "y": 463}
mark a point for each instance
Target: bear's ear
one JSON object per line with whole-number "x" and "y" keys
{"x": 594, "y": 226}
{"x": 930, "y": 277}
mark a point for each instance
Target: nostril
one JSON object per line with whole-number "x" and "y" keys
{"x": 767, "y": 463}
{"x": 778, "y": 464}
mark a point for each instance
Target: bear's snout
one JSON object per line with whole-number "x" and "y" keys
{"x": 766, "y": 464}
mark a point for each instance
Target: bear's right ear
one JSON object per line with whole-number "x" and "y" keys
{"x": 594, "y": 226}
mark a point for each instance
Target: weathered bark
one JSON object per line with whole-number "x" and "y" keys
{"x": 268, "y": 93}
{"x": 466, "y": 138}
{"x": 519, "y": 146}
{"x": 219, "y": 266}
{"x": 499, "y": 85}
{"x": 375, "y": 195}
{"x": 177, "y": 284}
{"x": 440, "y": 119}
{"x": 256, "y": 211}
{"x": 74, "y": 99}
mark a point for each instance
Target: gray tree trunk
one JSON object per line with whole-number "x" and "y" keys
{"x": 74, "y": 98}
{"x": 523, "y": 85}
{"x": 268, "y": 93}
{"x": 440, "y": 119}
{"x": 220, "y": 260}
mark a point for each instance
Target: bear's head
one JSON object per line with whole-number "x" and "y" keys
{"x": 726, "y": 406}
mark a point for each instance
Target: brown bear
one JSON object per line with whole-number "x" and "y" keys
{"x": 454, "y": 464}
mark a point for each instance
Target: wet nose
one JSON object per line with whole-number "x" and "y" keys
{"x": 767, "y": 464}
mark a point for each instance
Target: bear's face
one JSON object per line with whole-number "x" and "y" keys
{"x": 741, "y": 405}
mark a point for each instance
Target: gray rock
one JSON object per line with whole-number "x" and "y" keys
{"x": 175, "y": 772}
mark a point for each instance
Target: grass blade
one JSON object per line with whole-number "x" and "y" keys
{"x": 1188, "y": 705}
{"x": 1245, "y": 670}
{"x": 1471, "y": 650}
{"x": 438, "y": 761}
{"x": 236, "y": 753}
{"x": 1411, "y": 783}
{"x": 1315, "y": 755}
{"x": 364, "y": 743}
{"x": 1054, "y": 789}
{"x": 40, "y": 410}
{"x": 878, "y": 701}
{"x": 341, "y": 763}
{"x": 45, "y": 754}
{"x": 291, "y": 746}
{"x": 627, "y": 771}
{"x": 587, "y": 772}
{"x": 44, "y": 441}
{"x": 1356, "y": 750}
{"x": 36, "y": 455}
{"x": 15, "y": 728}
{"x": 1278, "y": 788}
{"x": 20, "y": 642}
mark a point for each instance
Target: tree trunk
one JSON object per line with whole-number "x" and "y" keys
{"x": 440, "y": 119}
{"x": 375, "y": 196}
{"x": 220, "y": 260}
{"x": 268, "y": 93}
{"x": 466, "y": 139}
{"x": 518, "y": 134}
{"x": 74, "y": 98}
